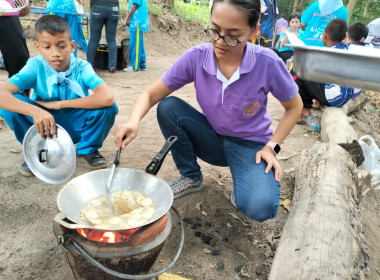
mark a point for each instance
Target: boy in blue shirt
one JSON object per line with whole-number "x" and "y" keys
{"x": 327, "y": 94}
{"x": 356, "y": 34}
{"x": 137, "y": 22}
{"x": 60, "y": 84}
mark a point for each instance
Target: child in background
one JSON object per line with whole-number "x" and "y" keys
{"x": 356, "y": 34}
{"x": 281, "y": 25}
{"x": 327, "y": 94}
{"x": 61, "y": 86}
{"x": 294, "y": 27}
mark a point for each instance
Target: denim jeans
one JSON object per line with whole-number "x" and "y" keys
{"x": 103, "y": 15}
{"x": 257, "y": 194}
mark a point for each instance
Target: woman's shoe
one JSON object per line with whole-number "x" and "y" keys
{"x": 112, "y": 70}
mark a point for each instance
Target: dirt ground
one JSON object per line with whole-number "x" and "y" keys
{"x": 240, "y": 249}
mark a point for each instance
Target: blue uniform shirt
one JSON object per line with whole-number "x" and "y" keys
{"x": 140, "y": 16}
{"x": 61, "y": 6}
{"x": 35, "y": 75}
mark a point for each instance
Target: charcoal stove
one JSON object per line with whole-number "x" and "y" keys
{"x": 128, "y": 256}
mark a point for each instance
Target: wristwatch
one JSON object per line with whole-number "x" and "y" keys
{"x": 275, "y": 147}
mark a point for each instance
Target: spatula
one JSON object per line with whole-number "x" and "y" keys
{"x": 109, "y": 183}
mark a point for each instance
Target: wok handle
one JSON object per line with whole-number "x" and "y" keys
{"x": 59, "y": 218}
{"x": 155, "y": 165}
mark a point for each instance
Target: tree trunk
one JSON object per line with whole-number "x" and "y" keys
{"x": 335, "y": 124}
{"x": 297, "y": 4}
{"x": 350, "y": 8}
{"x": 322, "y": 237}
{"x": 169, "y": 3}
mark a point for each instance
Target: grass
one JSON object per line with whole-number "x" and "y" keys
{"x": 190, "y": 12}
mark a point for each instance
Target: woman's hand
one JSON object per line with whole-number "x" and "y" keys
{"x": 124, "y": 134}
{"x": 52, "y": 105}
{"x": 267, "y": 154}
{"x": 45, "y": 124}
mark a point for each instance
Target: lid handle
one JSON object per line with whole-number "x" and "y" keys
{"x": 40, "y": 153}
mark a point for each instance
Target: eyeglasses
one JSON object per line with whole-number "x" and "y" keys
{"x": 230, "y": 40}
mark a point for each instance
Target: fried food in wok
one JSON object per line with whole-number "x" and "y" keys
{"x": 134, "y": 209}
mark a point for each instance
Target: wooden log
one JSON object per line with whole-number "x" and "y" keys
{"x": 335, "y": 124}
{"x": 322, "y": 237}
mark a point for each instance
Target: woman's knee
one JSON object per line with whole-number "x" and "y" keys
{"x": 259, "y": 210}
{"x": 168, "y": 104}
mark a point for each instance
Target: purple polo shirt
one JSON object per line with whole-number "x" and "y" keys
{"x": 242, "y": 113}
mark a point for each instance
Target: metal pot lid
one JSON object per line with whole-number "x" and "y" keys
{"x": 51, "y": 160}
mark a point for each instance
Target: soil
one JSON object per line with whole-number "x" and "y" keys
{"x": 220, "y": 243}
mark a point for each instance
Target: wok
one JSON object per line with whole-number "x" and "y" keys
{"x": 76, "y": 193}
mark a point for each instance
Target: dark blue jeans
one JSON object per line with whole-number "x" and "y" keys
{"x": 257, "y": 194}
{"x": 109, "y": 17}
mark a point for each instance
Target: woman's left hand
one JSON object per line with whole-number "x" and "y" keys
{"x": 52, "y": 105}
{"x": 267, "y": 154}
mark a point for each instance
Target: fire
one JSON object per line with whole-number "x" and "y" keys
{"x": 107, "y": 236}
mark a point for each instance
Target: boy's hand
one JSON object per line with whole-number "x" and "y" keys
{"x": 52, "y": 105}
{"x": 45, "y": 124}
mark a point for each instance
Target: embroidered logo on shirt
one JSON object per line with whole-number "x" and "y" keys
{"x": 251, "y": 109}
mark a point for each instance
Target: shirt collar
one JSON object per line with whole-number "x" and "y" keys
{"x": 246, "y": 64}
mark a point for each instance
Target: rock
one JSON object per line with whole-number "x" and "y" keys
{"x": 215, "y": 252}
{"x": 212, "y": 242}
{"x": 220, "y": 266}
{"x": 258, "y": 270}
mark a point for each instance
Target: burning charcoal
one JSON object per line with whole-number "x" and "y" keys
{"x": 215, "y": 252}
{"x": 212, "y": 242}
{"x": 198, "y": 234}
{"x": 220, "y": 266}
{"x": 188, "y": 221}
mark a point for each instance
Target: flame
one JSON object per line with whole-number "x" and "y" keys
{"x": 107, "y": 236}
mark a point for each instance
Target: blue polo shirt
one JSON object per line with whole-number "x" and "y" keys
{"x": 34, "y": 75}
{"x": 140, "y": 17}
{"x": 240, "y": 109}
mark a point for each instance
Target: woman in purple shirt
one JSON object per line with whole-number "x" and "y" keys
{"x": 232, "y": 79}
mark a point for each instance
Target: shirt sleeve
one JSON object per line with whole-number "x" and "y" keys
{"x": 137, "y": 2}
{"x": 89, "y": 77}
{"x": 308, "y": 13}
{"x": 26, "y": 78}
{"x": 281, "y": 83}
{"x": 181, "y": 72}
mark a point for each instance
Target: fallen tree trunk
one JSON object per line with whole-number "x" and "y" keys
{"x": 335, "y": 124}
{"x": 322, "y": 236}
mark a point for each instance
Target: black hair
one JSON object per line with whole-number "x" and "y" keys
{"x": 336, "y": 30}
{"x": 250, "y": 7}
{"x": 53, "y": 25}
{"x": 357, "y": 30}
{"x": 294, "y": 15}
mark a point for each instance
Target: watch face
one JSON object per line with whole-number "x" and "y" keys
{"x": 277, "y": 149}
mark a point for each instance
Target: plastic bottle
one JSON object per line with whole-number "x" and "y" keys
{"x": 312, "y": 122}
